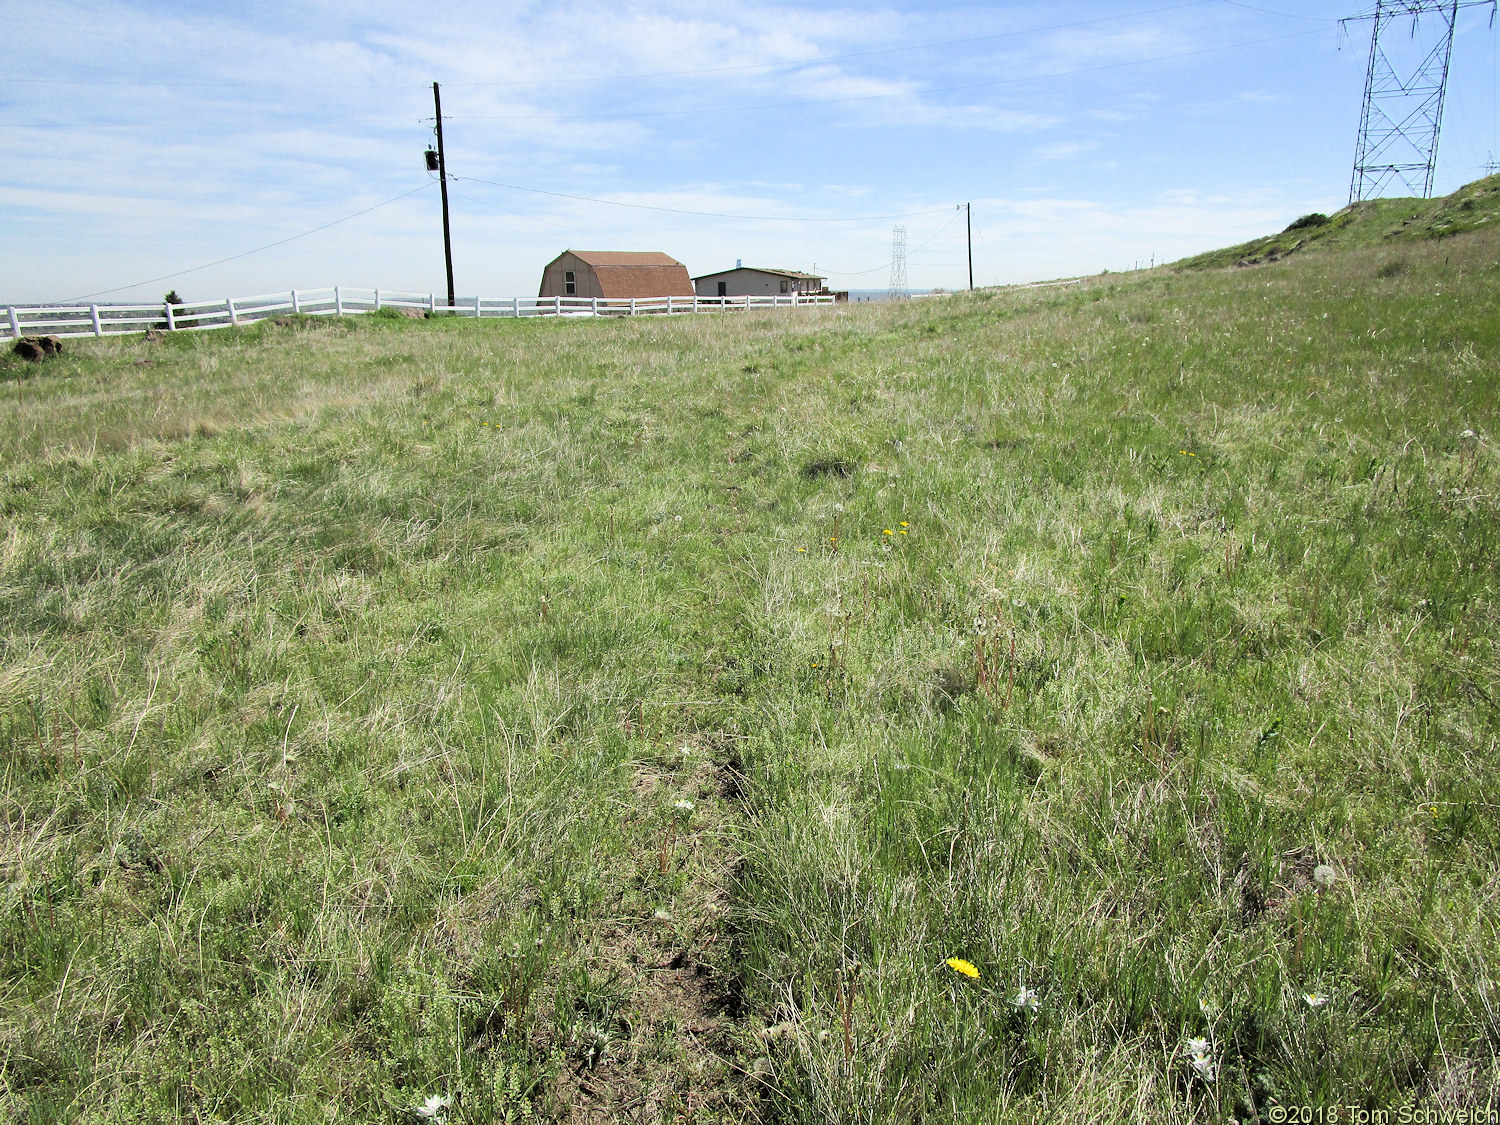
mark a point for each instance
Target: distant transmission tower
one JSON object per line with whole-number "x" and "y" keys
{"x": 898, "y": 290}
{"x": 1403, "y": 106}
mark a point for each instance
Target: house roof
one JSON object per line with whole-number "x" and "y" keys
{"x": 764, "y": 269}
{"x": 629, "y": 273}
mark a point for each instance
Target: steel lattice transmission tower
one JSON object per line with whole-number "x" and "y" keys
{"x": 898, "y": 291}
{"x": 1403, "y": 107}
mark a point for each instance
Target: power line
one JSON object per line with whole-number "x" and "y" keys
{"x": 951, "y": 220}
{"x": 885, "y": 265}
{"x": 257, "y": 250}
{"x": 1284, "y": 15}
{"x": 703, "y": 214}
{"x": 1384, "y": 8}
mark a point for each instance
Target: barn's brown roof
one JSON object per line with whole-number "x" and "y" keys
{"x": 598, "y": 258}
{"x": 629, "y": 273}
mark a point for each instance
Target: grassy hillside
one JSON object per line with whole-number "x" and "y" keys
{"x": 627, "y": 720}
{"x": 1371, "y": 223}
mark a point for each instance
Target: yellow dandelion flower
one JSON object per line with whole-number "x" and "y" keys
{"x": 802, "y": 550}
{"x": 959, "y": 965}
{"x": 905, "y": 524}
{"x": 888, "y": 531}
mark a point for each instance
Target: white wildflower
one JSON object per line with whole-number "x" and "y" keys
{"x": 435, "y": 1107}
{"x": 1315, "y": 999}
{"x": 684, "y": 806}
{"x": 1202, "y": 1063}
{"x": 1026, "y": 1001}
{"x": 662, "y": 914}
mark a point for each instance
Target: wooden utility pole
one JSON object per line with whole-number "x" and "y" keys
{"x": 437, "y": 105}
{"x": 969, "y": 227}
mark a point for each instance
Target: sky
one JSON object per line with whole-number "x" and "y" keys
{"x": 146, "y": 143}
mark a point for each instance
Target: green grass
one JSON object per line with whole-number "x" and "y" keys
{"x": 1367, "y": 224}
{"x": 353, "y": 671}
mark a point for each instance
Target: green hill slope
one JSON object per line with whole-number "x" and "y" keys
{"x": 1374, "y": 222}
{"x": 628, "y": 720}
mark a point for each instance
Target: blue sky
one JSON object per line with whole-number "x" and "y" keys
{"x": 145, "y": 139}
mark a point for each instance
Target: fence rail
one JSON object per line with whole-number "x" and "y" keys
{"x": 115, "y": 320}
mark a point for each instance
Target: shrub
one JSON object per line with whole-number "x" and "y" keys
{"x": 1315, "y": 219}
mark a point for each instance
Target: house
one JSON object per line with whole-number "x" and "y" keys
{"x": 616, "y": 274}
{"x": 743, "y": 280}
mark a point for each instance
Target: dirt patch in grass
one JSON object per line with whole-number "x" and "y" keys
{"x": 679, "y": 1043}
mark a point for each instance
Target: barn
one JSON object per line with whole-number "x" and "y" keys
{"x": 615, "y": 274}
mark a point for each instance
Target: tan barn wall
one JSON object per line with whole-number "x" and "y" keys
{"x": 553, "y": 283}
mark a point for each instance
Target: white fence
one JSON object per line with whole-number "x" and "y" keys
{"x": 115, "y": 320}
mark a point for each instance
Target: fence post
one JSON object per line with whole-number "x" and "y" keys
{"x": 594, "y": 306}
{"x": 234, "y": 319}
{"x": 94, "y": 313}
{"x": 338, "y": 301}
{"x": 377, "y": 300}
{"x": 695, "y": 302}
{"x": 431, "y": 304}
{"x": 15, "y": 322}
{"x": 171, "y": 318}
{"x": 669, "y": 304}
{"x": 632, "y": 306}
{"x": 296, "y": 303}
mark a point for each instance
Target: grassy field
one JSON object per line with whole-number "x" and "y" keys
{"x": 628, "y": 720}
